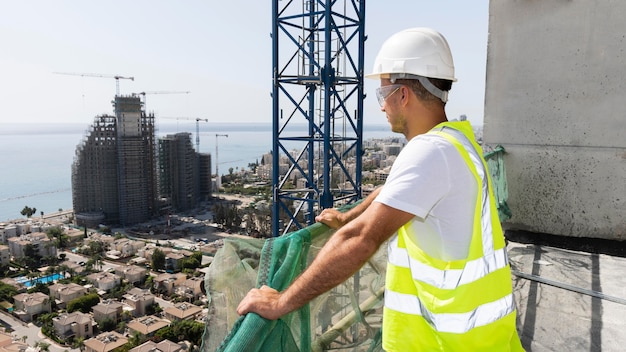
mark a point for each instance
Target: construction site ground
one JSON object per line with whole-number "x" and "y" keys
{"x": 569, "y": 300}
{"x": 193, "y": 231}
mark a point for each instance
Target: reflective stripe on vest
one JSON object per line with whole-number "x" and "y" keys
{"x": 448, "y": 278}
{"x": 457, "y": 323}
{"x": 480, "y": 271}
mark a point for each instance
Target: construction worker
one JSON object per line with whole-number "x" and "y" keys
{"x": 448, "y": 284}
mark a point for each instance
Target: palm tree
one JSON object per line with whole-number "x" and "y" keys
{"x": 43, "y": 346}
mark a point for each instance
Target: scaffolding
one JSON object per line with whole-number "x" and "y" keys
{"x": 114, "y": 171}
{"x": 178, "y": 172}
{"x": 94, "y": 174}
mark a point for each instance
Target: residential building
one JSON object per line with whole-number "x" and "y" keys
{"x": 139, "y": 300}
{"x": 166, "y": 283}
{"x": 104, "y": 281}
{"x": 75, "y": 324}
{"x": 7, "y": 230}
{"x": 132, "y": 273}
{"x": 190, "y": 288}
{"x": 105, "y": 342}
{"x": 126, "y": 247}
{"x": 182, "y": 311}
{"x": 163, "y": 346}
{"x": 75, "y": 236}
{"x": 147, "y": 325}
{"x": 172, "y": 260}
{"x": 5, "y": 255}
{"x": 63, "y": 293}
{"x": 30, "y": 305}
{"x": 41, "y": 244}
{"x": 107, "y": 310}
{"x": 9, "y": 344}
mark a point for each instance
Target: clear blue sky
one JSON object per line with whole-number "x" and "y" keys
{"x": 220, "y": 51}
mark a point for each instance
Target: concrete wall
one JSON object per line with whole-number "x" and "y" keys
{"x": 556, "y": 100}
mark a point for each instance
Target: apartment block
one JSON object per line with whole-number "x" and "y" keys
{"x": 5, "y": 255}
{"x": 39, "y": 242}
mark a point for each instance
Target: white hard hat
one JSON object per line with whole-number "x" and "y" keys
{"x": 414, "y": 52}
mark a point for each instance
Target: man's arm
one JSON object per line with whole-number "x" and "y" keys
{"x": 335, "y": 219}
{"x": 344, "y": 253}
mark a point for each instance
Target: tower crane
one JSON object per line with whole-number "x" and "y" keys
{"x": 117, "y": 78}
{"x": 157, "y": 92}
{"x": 197, "y": 127}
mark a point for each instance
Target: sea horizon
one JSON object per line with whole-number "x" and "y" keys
{"x": 36, "y": 158}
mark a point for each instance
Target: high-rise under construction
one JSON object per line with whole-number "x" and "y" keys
{"x": 114, "y": 170}
{"x": 184, "y": 175}
{"x": 121, "y": 175}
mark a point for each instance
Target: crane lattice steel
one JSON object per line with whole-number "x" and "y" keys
{"x": 145, "y": 103}
{"x": 98, "y": 75}
{"x": 317, "y": 61}
{"x": 197, "y": 119}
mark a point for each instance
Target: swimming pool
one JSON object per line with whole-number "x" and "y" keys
{"x": 44, "y": 280}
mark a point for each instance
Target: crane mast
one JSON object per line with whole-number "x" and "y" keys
{"x": 318, "y": 82}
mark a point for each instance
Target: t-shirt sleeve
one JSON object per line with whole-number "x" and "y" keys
{"x": 419, "y": 177}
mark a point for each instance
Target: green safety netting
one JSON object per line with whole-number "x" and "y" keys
{"x": 495, "y": 164}
{"x": 348, "y": 318}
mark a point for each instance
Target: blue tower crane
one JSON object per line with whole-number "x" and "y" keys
{"x": 317, "y": 61}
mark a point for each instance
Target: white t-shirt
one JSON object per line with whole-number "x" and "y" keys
{"x": 431, "y": 180}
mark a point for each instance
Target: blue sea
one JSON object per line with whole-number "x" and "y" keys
{"x": 36, "y": 159}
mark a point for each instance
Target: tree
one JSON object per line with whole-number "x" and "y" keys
{"x": 7, "y": 292}
{"x": 28, "y": 211}
{"x": 61, "y": 239}
{"x": 107, "y": 324}
{"x": 84, "y": 303}
{"x": 158, "y": 259}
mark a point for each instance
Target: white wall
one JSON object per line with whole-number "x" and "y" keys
{"x": 556, "y": 100}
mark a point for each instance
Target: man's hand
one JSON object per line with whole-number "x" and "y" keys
{"x": 332, "y": 218}
{"x": 264, "y": 301}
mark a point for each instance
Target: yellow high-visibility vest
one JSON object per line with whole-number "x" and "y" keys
{"x": 461, "y": 305}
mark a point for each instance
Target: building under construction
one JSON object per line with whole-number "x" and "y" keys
{"x": 121, "y": 176}
{"x": 114, "y": 170}
{"x": 184, "y": 175}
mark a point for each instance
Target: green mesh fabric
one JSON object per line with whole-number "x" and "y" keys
{"x": 345, "y": 319}
{"x": 495, "y": 164}
{"x": 348, "y": 318}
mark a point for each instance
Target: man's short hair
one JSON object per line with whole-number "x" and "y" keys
{"x": 422, "y": 93}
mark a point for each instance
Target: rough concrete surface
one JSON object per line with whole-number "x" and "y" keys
{"x": 553, "y": 316}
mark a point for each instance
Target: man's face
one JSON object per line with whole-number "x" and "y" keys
{"x": 389, "y": 97}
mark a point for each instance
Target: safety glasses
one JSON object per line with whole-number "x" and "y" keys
{"x": 384, "y": 92}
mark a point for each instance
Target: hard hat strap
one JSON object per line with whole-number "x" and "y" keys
{"x": 431, "y": 88}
